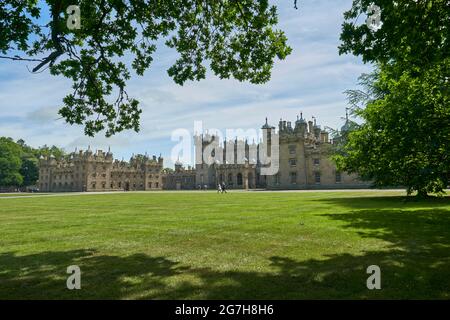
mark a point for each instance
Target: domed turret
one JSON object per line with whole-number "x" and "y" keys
{"x": 301, "y": 125}
{"x": 178, "y": 165}
{"x": 346, "y": 126}
{"x": 266, "y": 125}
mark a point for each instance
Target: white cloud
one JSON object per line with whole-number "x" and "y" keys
{"x": 311, "y": 80}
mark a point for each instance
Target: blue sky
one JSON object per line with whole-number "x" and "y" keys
{"x": 312, "y": 80}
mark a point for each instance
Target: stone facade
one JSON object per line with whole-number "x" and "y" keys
{"x": 180, "y": 179}
{"x": 304, "y": 160}
{"x": 88, "y": 171}
{"x": 304, "y": 163}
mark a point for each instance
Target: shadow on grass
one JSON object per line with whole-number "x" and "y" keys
{"x": 415, "y": 265}
{"x": 387, "y": 202}
{"x": 404, "y": 275}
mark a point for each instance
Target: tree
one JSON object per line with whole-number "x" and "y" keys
{"x": 405, "y": 137}
{"x": 10, "y": 163}
{"x": 47, "y": 151}
{"x": 236, "y": 37}
{"x": 414, "y": 33}
{"x": 29, "y": 171}
{"x": 19, "y": 163}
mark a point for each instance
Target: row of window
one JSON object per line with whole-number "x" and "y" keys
{"x": 229, "y": 181}
{"x": 293, "y": 162}
{"x": 120, "y": 185}
{"x": 293, "y": 177}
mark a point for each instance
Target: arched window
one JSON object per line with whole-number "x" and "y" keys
{"x": 230, "y": 178}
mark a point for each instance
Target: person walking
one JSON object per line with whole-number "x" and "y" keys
{"x": 219, "y": 188}
{"x": 224, "y": 188}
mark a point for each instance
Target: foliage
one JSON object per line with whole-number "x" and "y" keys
{"x": 405, "y": 137}
{"x": 10, "y": 163}
{"x": 414, "y": 34}
{"x": 19, "y": 163}
{"x": 236, "y": 37}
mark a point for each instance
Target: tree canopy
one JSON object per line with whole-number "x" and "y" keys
{"x": 236, "y": 38}
{"x": 414, "y": 33}
{"x": 10, "y": 163}
{"x": 404, "y": 139}
{"x": 19, "y": 163}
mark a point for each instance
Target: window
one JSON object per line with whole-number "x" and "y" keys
{"x": 112, "y": 185}
{"x": 293, "y": 162}
{"x": 277, "y": 178}
{"x": 338, "y": 177}
{"x": 317, "y": 177}
{"x": 150, "y": 185}
{"x": 316, "y": 162}
{"x": 293, "y": 177}
{"x": 292, "y": 149}
{"x": 239, "y": 179}
{"x": 156, "y": 185}
{"x": 93, "y": 185}
{"x": 103, "y": 185}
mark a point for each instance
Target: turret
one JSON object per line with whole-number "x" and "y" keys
{"x": 109, "y": 155}
{"x": 346, "y": 127}
{"x": 178, "y": 165}
{"x": 310, "y": 127}
{"x": 316, "y": 129}
{"x": 300, "y": 125}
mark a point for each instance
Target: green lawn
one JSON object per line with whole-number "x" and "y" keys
{"x": 19, "y": 194}
{"x": 241, "y": 245}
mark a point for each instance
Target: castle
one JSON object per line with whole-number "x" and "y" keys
{"x": 302, "y": 150}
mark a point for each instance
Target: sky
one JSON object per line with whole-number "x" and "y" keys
{"x": 311, "y": 80}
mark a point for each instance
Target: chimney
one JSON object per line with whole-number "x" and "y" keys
{"x": 324, "y": 137}
{"x": 310, "y": 126}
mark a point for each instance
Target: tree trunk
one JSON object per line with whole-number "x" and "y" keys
{"x": 422, "y": 194}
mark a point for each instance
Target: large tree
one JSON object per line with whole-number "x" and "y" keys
{"x": 405, "y": 137}
{"x": 10, "y": 163}
{"x": 237, "y": 38}
{"x": 19, "y": 163}
{"x": 405, "y": 104}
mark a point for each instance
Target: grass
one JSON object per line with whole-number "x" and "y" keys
{"x": 242, "y": 245}
{"x": 19, "y": 194}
